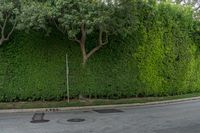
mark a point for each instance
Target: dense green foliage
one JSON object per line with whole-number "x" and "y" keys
{"x": 159, "y": 57}
{"x": 166, "y": 53}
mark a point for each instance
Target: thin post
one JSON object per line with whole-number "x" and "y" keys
{"x": 67, "y": 77}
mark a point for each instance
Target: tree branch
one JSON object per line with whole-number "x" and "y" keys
{"x": 94, "y": 50}
{"x": 101, "y": 38}
{"x": 101, "y": 43}
{"x": 4, "y": 25}
{"x": 75, "y": 39}
{"x": 10, "y": 33}
{"x": 3, "y": 30}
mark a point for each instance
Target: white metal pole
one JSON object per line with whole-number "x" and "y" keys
{"x": 67, "y": 77}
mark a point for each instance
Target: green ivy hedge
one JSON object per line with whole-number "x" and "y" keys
{"x": 159, "y": 58}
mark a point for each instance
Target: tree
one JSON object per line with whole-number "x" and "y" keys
{"x": 79, "y": 18}
{"x": 21, "y": 15}
{"x": 9, "y": 13}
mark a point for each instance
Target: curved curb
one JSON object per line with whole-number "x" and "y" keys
{"x": 62, "y": 109}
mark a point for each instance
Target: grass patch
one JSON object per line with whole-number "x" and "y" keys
{"x": 92, "y": 102}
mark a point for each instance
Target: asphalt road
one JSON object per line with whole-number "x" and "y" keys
{"x": 172, "y": 118}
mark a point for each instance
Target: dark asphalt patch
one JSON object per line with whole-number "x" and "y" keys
{"x": 104, "y": 111}
{"x": 76, "y": 120}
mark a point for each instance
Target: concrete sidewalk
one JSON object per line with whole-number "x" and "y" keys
{"x": 97, "y": 107}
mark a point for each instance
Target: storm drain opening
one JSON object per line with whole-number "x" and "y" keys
{"x": 108, "y": 111}
{"x": 39, "y": 118}
{"x": 76, "y": 120}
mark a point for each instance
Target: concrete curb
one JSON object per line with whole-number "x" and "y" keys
{"x": 62, "y": 109}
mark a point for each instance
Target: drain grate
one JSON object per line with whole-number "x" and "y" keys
{"x": 108, "y": 111}
{"x": 38, "y": 118}
{"x": 76, "y": 120}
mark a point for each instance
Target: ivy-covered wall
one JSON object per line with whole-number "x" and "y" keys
{"x": 159, "y": 58}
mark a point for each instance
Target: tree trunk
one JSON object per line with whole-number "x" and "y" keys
{"x": 2, "y": 39}
{"x": 83, "y": 50}
{"x": 82, "y": 43}
{"x": 1, "y": 42}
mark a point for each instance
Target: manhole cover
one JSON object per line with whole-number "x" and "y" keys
{"x": 108, "y": 111}
{"x": 76, "y": 120}
{"x": 38, "y": 118}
